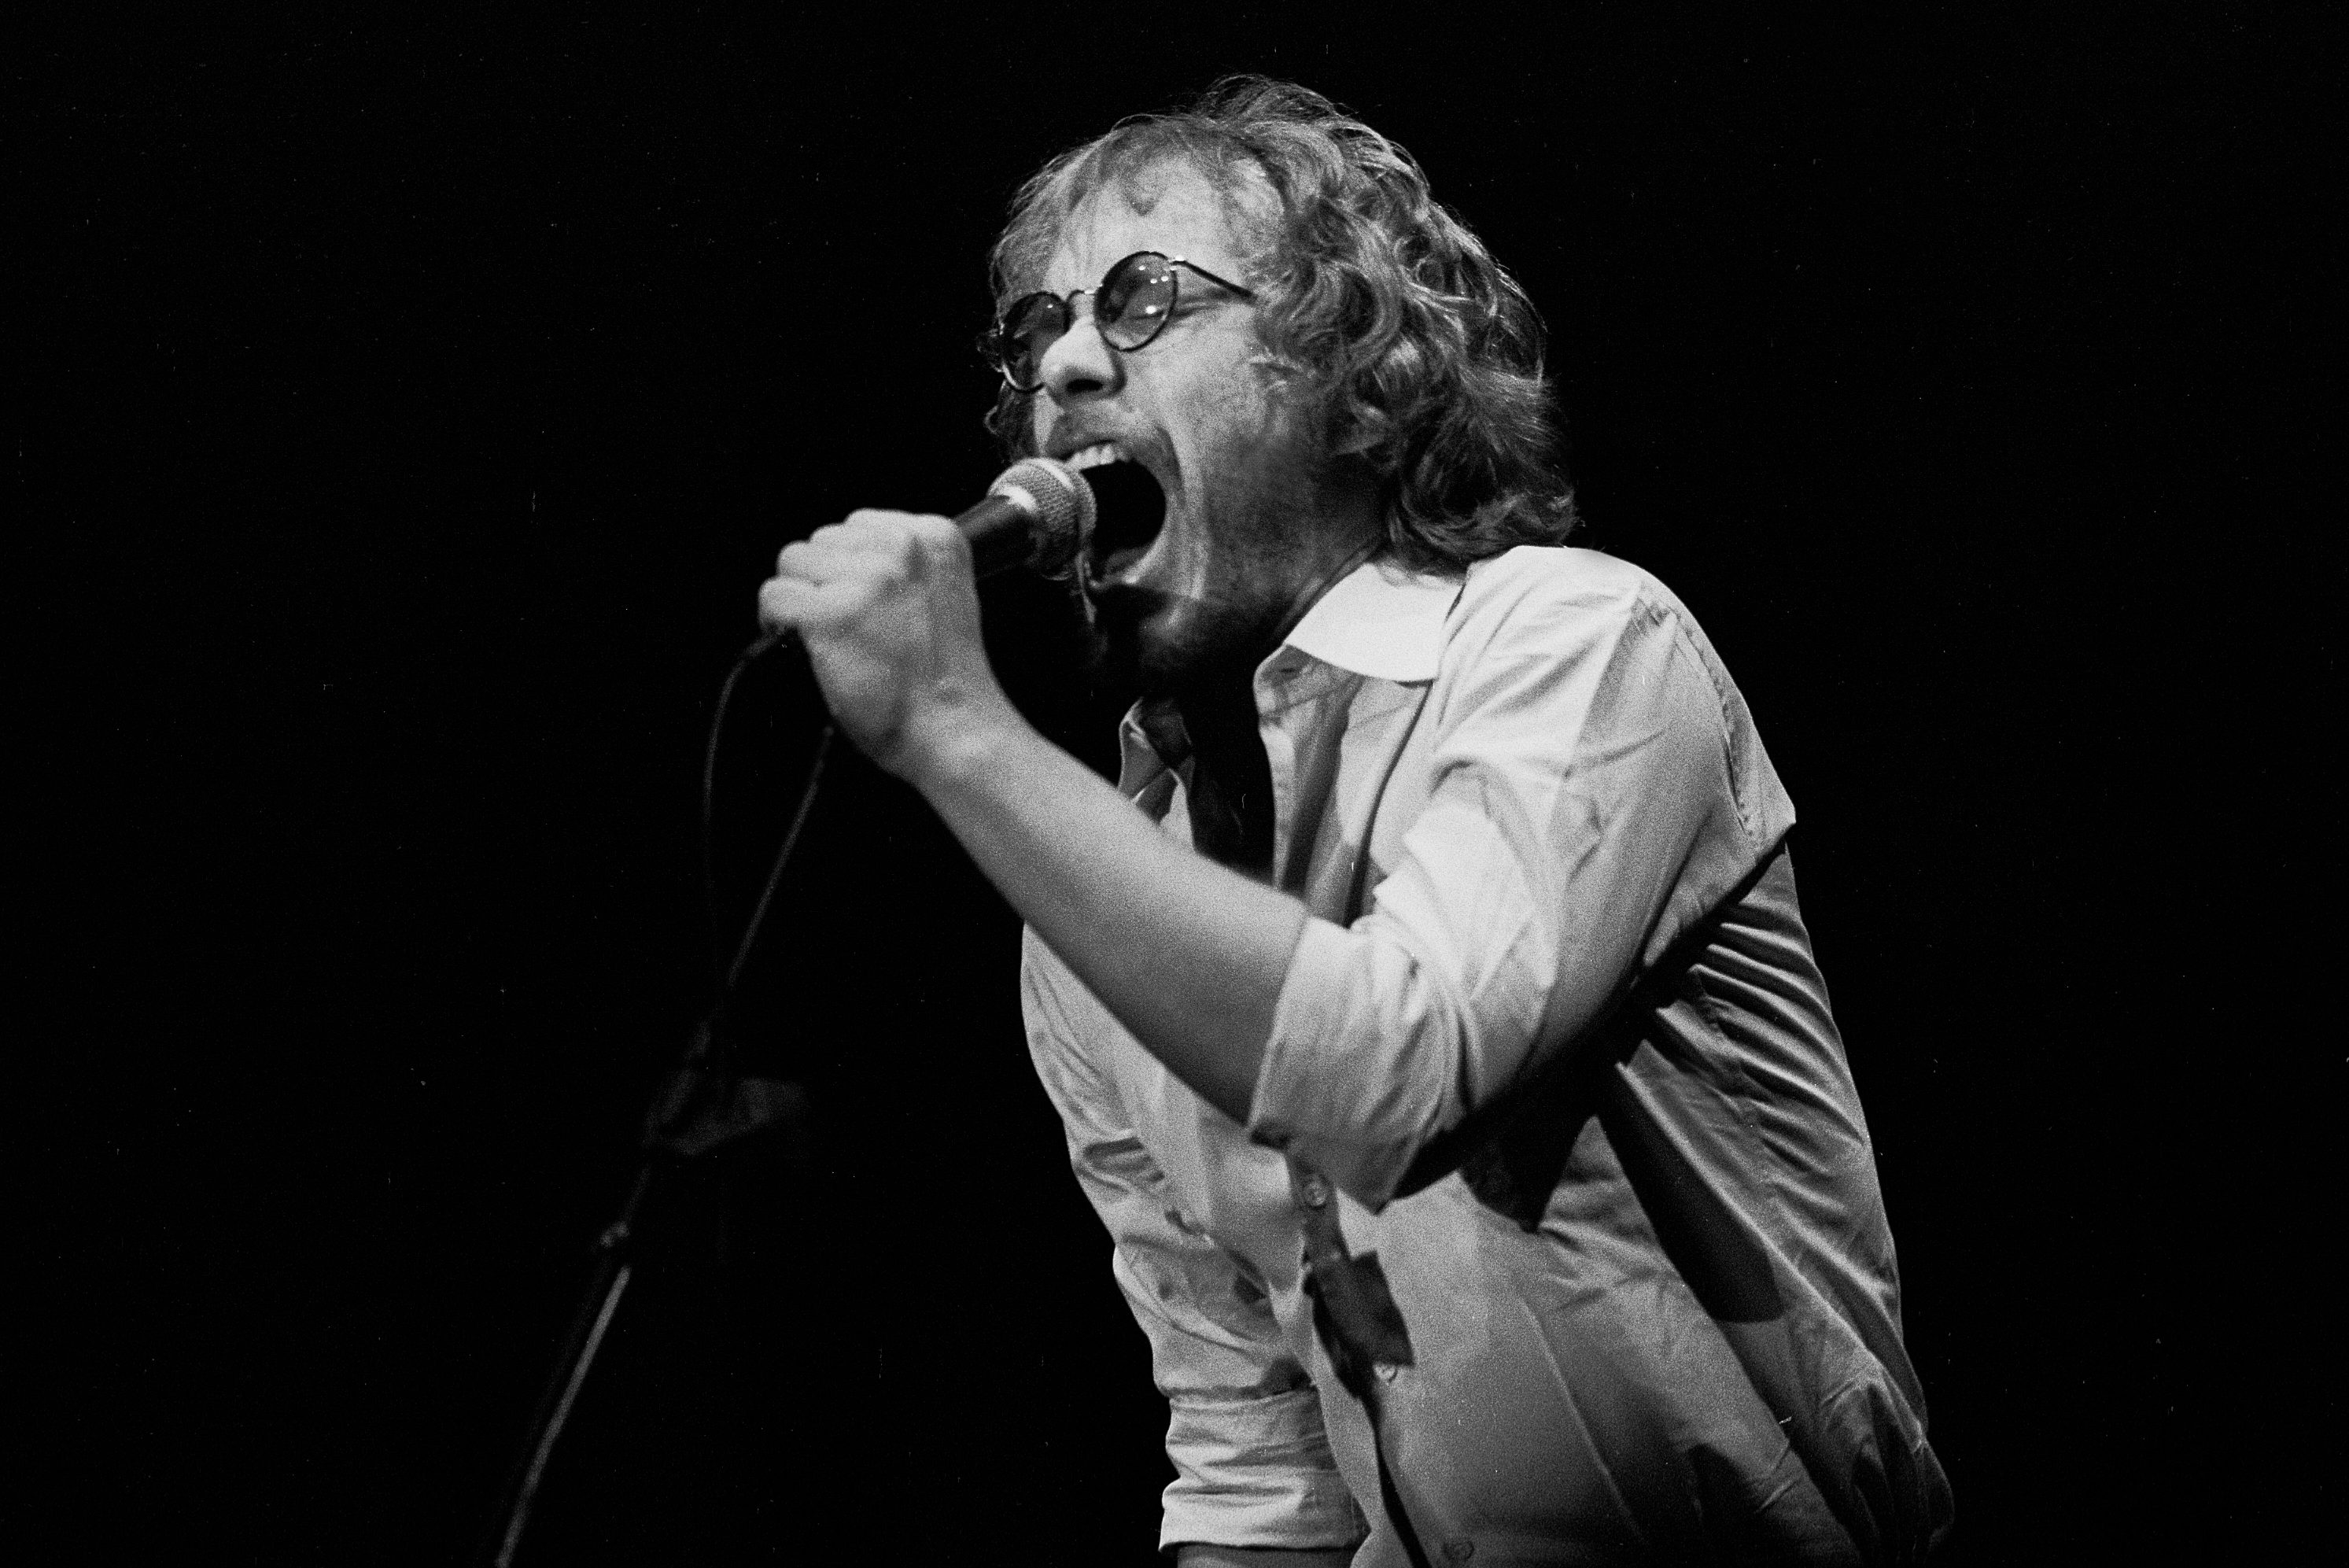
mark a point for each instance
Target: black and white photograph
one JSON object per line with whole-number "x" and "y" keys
{"x": 1235, "y": 787}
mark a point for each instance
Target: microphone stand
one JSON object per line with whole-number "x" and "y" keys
{"x": 702, "y": 1106}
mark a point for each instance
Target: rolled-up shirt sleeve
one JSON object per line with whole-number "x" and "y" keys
{"x": 1253, "y": 1467}
{"x": 1594, "y": 792}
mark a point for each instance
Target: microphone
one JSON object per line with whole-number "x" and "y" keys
{"x": 1037, "y": 514}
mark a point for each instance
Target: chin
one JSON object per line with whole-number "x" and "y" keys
{"x": 1149, "y": 643}
{"x": 1126, "y": 656}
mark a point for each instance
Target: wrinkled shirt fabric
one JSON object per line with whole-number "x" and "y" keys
{"x": 1552, "y": 1055}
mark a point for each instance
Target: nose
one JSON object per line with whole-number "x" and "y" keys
{"x": 1081, "y": 366}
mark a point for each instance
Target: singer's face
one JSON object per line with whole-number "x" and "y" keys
{"x": 1258, "y": 519}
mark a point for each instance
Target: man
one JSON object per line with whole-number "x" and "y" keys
{"x": 1428, "y": 1007}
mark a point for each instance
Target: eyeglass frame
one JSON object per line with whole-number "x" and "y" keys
{"x": 991, "y": 342}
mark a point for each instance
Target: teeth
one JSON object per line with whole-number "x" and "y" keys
{"x": 1096, "y": 455}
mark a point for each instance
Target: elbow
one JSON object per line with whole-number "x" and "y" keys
{"x": 1371, "y": 1058}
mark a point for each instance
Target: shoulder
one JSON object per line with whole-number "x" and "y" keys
{"x": 1609, "y": 644}
{"x": 1559, "y": 596}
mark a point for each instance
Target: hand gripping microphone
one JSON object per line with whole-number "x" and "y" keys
{"x": 1037, "y": 514}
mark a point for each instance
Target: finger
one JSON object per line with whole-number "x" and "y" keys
{"x": 901, "y": 560}
{"x": 824, "y": 554}
{"x": 812, "y": 604}
{"x": 938, "y": 540}
{"x": 892, "y": 535}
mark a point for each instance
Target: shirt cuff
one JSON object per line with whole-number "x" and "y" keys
{"x": 1344, "y": 1082}
{"x": 1255, "y": 1472}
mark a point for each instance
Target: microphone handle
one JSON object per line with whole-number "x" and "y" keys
{"x": 1002, "y": 534}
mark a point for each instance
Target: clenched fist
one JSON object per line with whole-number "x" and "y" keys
{"x": 887, "y": 609}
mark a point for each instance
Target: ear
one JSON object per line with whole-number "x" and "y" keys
{"x": 1358, "y": 434}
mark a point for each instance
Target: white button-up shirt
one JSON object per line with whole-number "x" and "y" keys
{"x": 1554, "y": 1035}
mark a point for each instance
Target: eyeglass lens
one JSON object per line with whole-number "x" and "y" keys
{"x": 1130, "y": 307}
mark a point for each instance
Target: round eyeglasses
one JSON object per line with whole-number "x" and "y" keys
{"x": 1132, "y": 305}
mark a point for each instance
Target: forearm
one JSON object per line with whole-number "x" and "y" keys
{"x": 1189, "y": 955}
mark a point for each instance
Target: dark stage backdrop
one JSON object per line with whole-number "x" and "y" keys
{"x": 407, "y": 412}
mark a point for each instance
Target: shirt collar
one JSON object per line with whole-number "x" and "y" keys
{"x": 1381, "y": 620}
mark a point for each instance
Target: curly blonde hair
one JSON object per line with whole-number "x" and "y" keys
{"x": 1425, "y": 355}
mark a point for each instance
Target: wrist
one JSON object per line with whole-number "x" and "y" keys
{"x": 963, "y": 745}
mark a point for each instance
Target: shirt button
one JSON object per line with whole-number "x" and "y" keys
{"x": 1459, "y": 1551}
{"x": 1315, "y": 1191}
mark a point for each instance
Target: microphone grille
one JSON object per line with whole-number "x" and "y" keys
{"x": 1063, "y": 510}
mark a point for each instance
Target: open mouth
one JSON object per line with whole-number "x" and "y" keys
{"x": 1131, "y": 508}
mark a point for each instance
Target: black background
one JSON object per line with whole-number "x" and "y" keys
{"x": 406, "y": 412}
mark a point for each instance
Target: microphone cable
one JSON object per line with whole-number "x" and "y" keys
{"x": 726, "y": 975}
